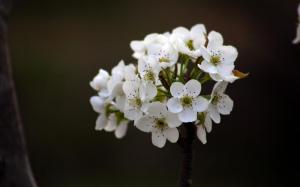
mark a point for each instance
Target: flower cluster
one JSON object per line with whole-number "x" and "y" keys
{"x": 168, "y": 87}
{"x": 297, "y": 39}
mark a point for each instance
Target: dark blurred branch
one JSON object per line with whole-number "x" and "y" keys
{"x": 15, "y": 169}
{"x": 186, "y": 139}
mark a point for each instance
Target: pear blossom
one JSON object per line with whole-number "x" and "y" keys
{"x": 106, "y": 120}
{"x": 141, "y": 48}
{"x": 98, "y": 103}
{"x": 149, "y": 70}
{"x": 204, "y": 124}
{"x": 189, "y": 41}
{"x": 138, "y": 95}
{"x": 119, "y": 126}
{"x": 186, "y": 100}
{"x": 165, "y": 54}
{"x": 161, "y": 90}
{"x": 218, "y": 58}
{"x": 99, "y": 83}
{"x": 161, "y": 123}
{"x": 220, "y": 103}
{"x": 119, "y": 74}
{"x": 297, "y": 39}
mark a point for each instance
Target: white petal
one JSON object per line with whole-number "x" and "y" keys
{"x": 201, "y": 134}
{"x": 137, "y": 45}
{"x": 120, "y": 102}
{"x": 121, "y": 130}
{"x": 119, "y": 69}
{"x": 173, "y": 120}
{"x": 158, "y": 138}
{"x": 216, "y": 77}
{"x": 101, "y": 122}
{"x": 130, "y": 88}
{"x": 148, "y": 91}
{"x": 206, "y": 54}
{"x": 177, "y": 89}
{"x": 143, "y": 66}
{"x": 97, "y": 103}
{"x": 208, "y": 67}
{"x": 219, "y": 87}
{"x": 111, "y": 123}
{"x": 153, "y": 48}
{"x": 200, "y": 104}
{"x": 198, "y": 30}
{"x": 214, "y": 114}
{"x": 230, "y": 78}
{"x": 133, "y": 113}
{"x": 193, "y": 88}
{"x": 171, "y": 134}
{"x": 174, "y": 105}
{"x": 229, "y": 53}
{"x": 145, "y": 123}
{"x": 99, "y": 82}
{"x": 215, "y": 40}
{"x": 297, "y": 39}
{"x": 129, "y": 72}
{"x": 182, "y": 47}
{"x": 157, "y": 109}
{"x": 225, "y": 104}
{"x": 181, "y": 31}
{"x": 225, "y": 69}
{"x": 187, "y": 115}
{"x": 208, "y": 123}
{"x": 198, "y": 35}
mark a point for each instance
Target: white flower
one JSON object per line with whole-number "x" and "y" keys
{"x": 189, "y": 42}
{"x": 141, "y": 47}
{"x": 218, "y": 59}
{"x": 109, "y": 121}
{"x": 98, "y": 103}
{"x": 165, "y": 54}
{"x": 161, "y": 123}
{"x": 186, "y": 100}
{"x": 230, "y": 77}
{"x": 149, "y": 70}
{"x": 119, "y": 74}
{"x": 119, "y": 126}
{"x": 99, "y": 83}
{"x": 297, "y": 39}
{"x": 204, "y": 125}
{"x": 138, "y": 95}
{"x": 220, "y": 103}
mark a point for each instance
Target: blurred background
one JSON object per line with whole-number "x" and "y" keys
{"x": 58, "y": 46}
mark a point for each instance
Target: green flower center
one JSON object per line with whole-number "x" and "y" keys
{"x": 163, "y": 59}
{"x": 186, "y": 101}
{"x": 135, "y": 102}
{"x": 149, "y": 76}
{"x": 190, "y": 45}
{"x": 161, "y": 124}
{"x": 120, "y": 117}
{"x": 215, "y": 99}
{"x": 215, "y": 60}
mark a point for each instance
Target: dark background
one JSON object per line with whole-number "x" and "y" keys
{"x": 58, "y": 46}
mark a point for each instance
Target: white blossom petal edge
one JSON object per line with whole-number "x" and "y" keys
{"x": 186, "y": 100}
{"x": 161, "y": 123}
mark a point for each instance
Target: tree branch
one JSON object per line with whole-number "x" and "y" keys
{"x": 15, "y": 169}
{"x": 186, "y": 139}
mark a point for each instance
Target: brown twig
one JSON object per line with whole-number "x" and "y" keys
{"x": 186, "y": 139}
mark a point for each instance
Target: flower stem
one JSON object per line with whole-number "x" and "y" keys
{"x": 186, "y": 139}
